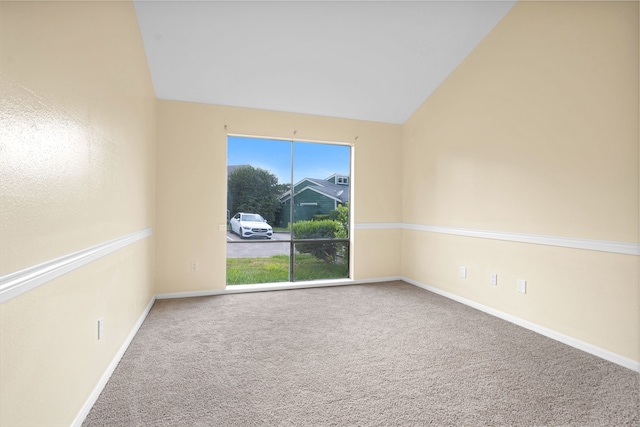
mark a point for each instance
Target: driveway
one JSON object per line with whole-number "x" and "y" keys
{"x": 250, "y": 248}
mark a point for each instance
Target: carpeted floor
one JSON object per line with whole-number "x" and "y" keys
{"x": 364, "y": 355}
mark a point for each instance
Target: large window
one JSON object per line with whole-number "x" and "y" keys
{"x": 287, "y": 210}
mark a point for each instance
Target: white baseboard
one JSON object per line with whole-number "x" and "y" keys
{"x": 580, "y": 345}
{"x": 262, "y": 287}
{"x": 378, "y": 280}
{"x": 565, "y": 339}
{"x": 93, "y": 397}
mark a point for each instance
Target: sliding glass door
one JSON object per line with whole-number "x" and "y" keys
{"x": 287, "y": 210}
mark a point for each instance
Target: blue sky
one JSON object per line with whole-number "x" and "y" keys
{"x": 311, "y": 160}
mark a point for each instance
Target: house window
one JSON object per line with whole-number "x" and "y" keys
{"x": 277, "y": 192}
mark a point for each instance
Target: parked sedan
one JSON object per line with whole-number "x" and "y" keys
{"x": 250, "y": 225}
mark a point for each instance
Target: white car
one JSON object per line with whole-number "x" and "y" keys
{"x": 250, "y": 225}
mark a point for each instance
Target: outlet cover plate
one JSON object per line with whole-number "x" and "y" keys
{"x": 100, "y": 328}
{"x": 522, "y": 286}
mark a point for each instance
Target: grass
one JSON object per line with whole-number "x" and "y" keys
{"x": 245, "y": 271}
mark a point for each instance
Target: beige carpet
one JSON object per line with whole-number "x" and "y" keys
{"x": 366, "y": 355}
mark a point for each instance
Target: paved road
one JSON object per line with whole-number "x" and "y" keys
{"x": 257, "y": 247}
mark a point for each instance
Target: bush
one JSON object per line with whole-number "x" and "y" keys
{"x": 323, "y": 229}
{"x": 341, "y": 216}
{"x": 320, "y": 217}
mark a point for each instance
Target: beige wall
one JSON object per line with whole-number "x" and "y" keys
{"x": 192, "y": 150}
{"x": 77, "y": 168}
{"x": 535, "y": 132}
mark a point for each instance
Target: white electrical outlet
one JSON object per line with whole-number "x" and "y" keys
{"x": 463, "y": 272}
{"x": 194, "y": 266}
{"x": 100, "y": 326}
{"x": 494, "y": 278}
{"x": 522, "y": 286}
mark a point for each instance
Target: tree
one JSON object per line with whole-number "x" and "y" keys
{"x": 254, "y": 190}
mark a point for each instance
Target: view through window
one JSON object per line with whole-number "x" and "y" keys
{"x": 287, "y": 210}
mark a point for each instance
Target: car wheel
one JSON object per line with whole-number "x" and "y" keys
{"x": 240, "y": 233}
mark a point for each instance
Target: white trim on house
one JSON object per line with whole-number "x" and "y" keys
{"x": 21, "y": 281}
{"x": 287, "y": 194}
{"x": 319, "y": 192}
{"x": 312, "y": 189}
{"x": 338, "y": 176}
{"x": 331, "y": 176}
{"x": 310, "y": 180}
{"x": 627, "y": 248}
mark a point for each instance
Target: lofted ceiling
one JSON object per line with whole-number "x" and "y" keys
{"x": 367, "y": 60}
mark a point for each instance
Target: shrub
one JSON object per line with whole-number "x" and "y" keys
{"x": 341, "y": 216}
{"x": 320, "y": 217}
{"x": 323, "y": 229}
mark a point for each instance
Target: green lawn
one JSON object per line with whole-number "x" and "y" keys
{"x": 245, "y": 271}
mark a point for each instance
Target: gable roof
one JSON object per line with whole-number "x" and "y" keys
{"x": 339, "y": 193}
{"x": 335, "y": 175}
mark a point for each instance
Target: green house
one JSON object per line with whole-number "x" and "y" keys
{"x": 312, "y": 196}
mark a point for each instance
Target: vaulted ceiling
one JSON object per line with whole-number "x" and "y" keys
{"x": 368, "y": 60}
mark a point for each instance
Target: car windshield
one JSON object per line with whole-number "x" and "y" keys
{"x": 252, "y": 217}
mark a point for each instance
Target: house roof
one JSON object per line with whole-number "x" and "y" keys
{"x": 337, "y": 192}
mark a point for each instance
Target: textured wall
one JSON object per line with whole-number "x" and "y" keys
{"x": 535, "y": 132}
{"x": 77, "y": 168}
